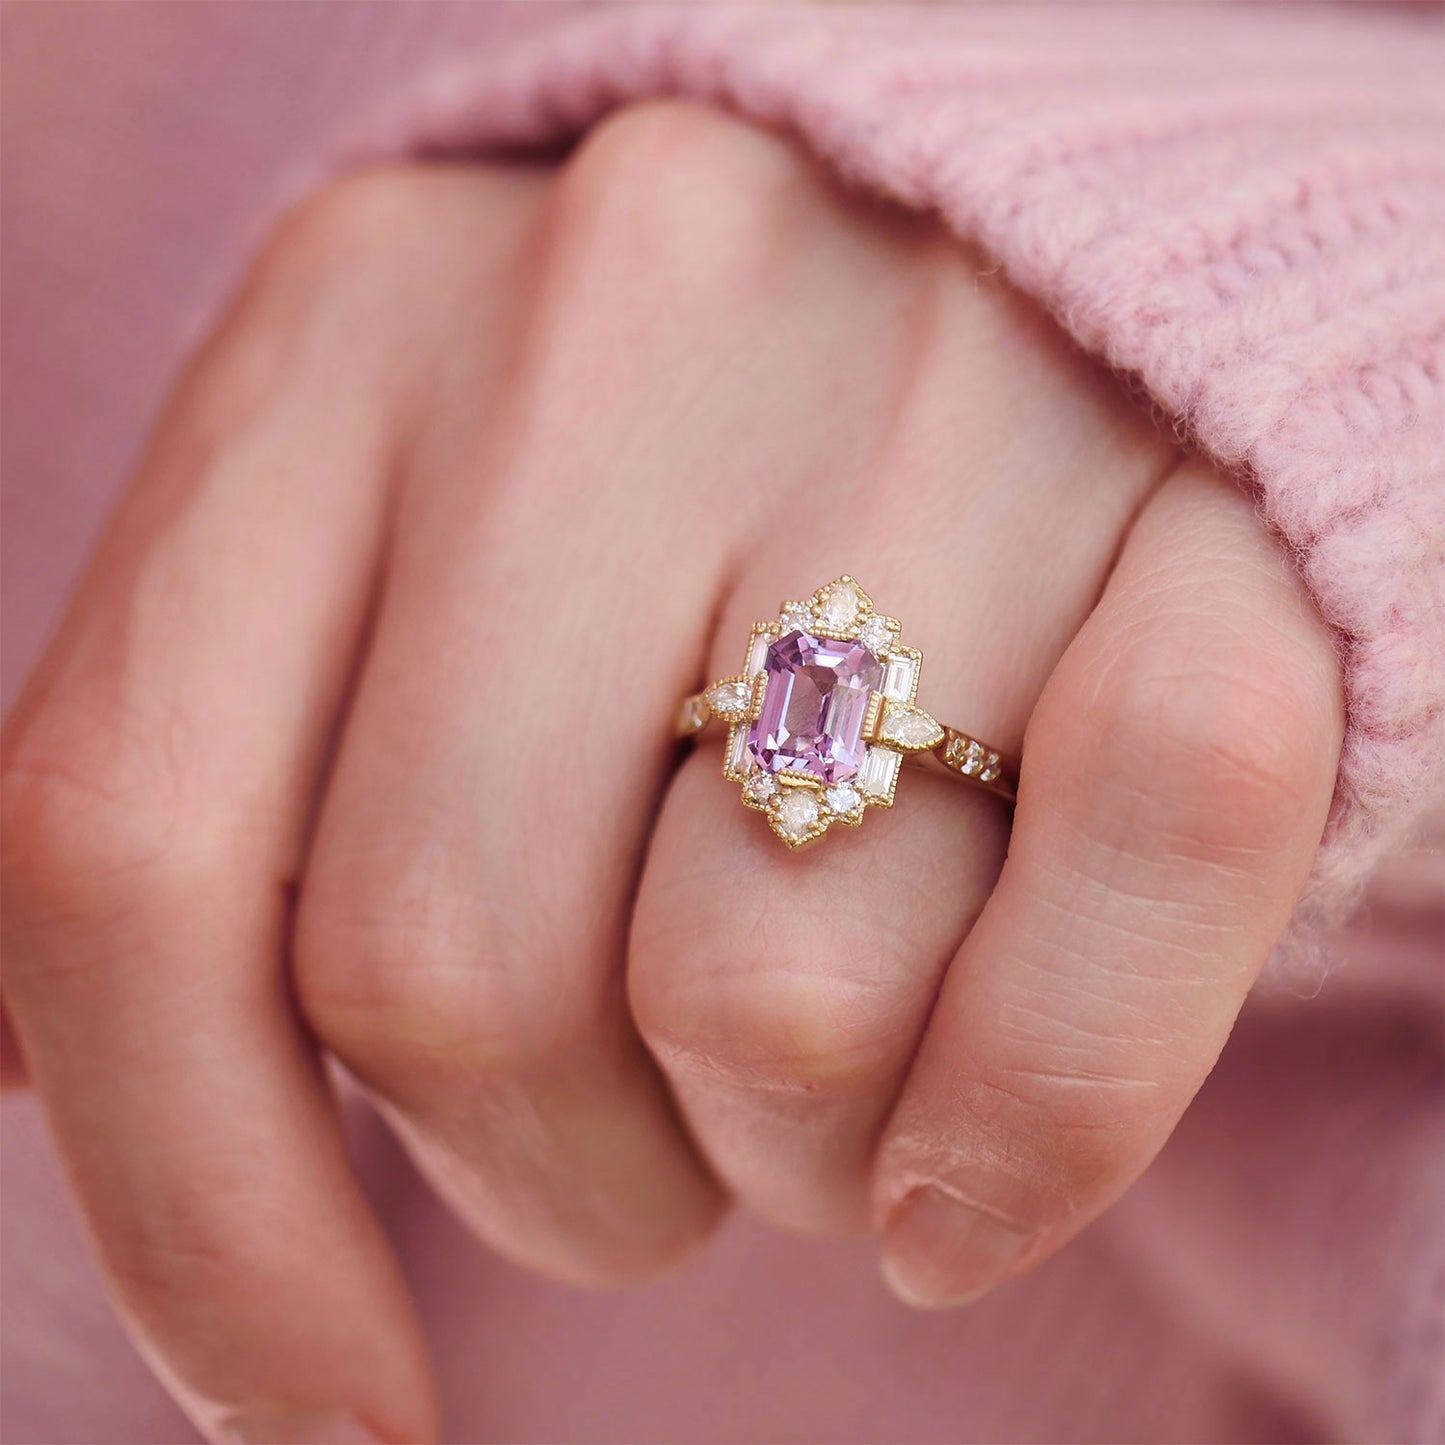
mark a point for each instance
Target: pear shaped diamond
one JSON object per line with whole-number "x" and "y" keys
{"x": 841, "y": 603}
{"x": 730, "y": 699}
{"x": 910, "y": 727}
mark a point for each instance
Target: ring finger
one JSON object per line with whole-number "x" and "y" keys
{"x": 785, "y": 993}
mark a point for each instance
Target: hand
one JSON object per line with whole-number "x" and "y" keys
{"x": 356, "y": 739}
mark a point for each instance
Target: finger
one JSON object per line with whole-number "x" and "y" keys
{"x": 12, "y": 1061}
{"x": 465, "y": 916}
{"x": 467, "y": 902}
{"x": 160, "y": 771}
{"x": 785, "y": 993}
{"x": 1177, "y": 775}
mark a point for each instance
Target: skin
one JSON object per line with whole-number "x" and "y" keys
{"x": 482, "y": 463}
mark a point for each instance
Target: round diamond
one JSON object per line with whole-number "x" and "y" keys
{"x": 796, "y": 617}
{"x": 876, "y": 635}
{"x": 844, "y": 798}
{"x": 798, "y": 812}
{"x": 761, "y": 787}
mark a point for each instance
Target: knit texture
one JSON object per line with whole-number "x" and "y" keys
{"x": 1239, "y": 207}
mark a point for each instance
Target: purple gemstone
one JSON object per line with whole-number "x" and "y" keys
{"x": 813, "y": 706}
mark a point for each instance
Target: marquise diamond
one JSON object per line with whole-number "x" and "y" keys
{"x": 910, "y": 728}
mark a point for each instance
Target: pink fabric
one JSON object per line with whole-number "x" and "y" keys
{"x": 1240, "y": 207}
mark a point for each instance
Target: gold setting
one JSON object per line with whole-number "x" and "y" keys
{"x": 800, "y": 807}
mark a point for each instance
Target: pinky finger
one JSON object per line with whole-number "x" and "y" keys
{"x": 1178, "y": 773}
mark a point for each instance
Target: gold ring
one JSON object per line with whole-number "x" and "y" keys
{"x": 824, "y": 714}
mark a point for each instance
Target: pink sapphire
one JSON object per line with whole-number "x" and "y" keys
{"x": 813, "y": 706}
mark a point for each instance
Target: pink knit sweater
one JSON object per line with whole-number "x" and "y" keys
{"x": 1239, "y": 212}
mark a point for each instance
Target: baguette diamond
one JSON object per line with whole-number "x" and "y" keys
{"x": 879, "y": 771}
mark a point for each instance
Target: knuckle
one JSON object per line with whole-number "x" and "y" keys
{"x": 87, "y": 820}
{"x": 1071, "y": 1136}
{"x": 768, "y": 1025}
{"x": 1118, "y": 1048}
{"x": 1068, "y": 1096}
{"x": 180, "y": 1255}
{"x": 349, "y": 222}
{"x": 679, "y": 198}
{"x": 335, "y": 256}
{"x": 1232, "y": 748}
{"x": 399, "y": 984}
{"x": 1035, "y": 1150}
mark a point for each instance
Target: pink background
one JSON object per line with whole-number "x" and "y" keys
{"x": 1266, "y": 1282}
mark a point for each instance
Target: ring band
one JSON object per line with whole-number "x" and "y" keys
{"x": 825, "y": 712}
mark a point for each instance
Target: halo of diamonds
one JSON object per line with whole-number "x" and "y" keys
{"x": 800, "y": 807}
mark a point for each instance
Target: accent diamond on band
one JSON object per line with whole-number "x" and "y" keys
{"x": 824, "y": 713}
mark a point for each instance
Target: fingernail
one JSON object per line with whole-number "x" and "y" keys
{"x": 939, "y": 1251}
{"x": 270, "y": 1427}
